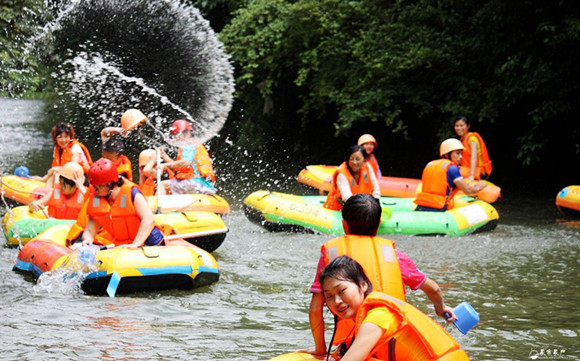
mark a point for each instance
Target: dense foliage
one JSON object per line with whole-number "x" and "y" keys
{"x": 309, "y": 71}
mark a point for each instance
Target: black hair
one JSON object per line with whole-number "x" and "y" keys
{"x": 354, "y": 149}
{"x": 362, "y": 212}
{"x": 67, "y": 181}
{"x": 114, "y": 145}
{"x": 461, "y": 117}
{"x": 345, "y": 268}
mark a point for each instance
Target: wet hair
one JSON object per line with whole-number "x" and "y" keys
{"x": 114, "y": 145}
{"x": 461, "y": 117}
{"x": 67, "y": 181}
{"x": 347, "y": 269}
{"x": 62, "y": 128}
{"x": 362, "y": 212}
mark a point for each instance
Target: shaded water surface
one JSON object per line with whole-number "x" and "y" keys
{"x": 523, "y": 278}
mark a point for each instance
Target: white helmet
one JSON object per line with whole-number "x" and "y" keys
{"x": 449, "y": 145}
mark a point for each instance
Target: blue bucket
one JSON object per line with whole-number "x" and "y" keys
{"x": 467, "y": 317}
{"x": 22, "y": 171}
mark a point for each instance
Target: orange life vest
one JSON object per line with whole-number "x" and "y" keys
{"x": 202, "y": 167}
{"x": 374, "y": 164}
{"x": 102, "y": 237}
{"x": 148, "y": 186}
{"x": 377, "y": 257}
{"x": 63, "y": 207}
{"x": 483, "y": 166}
{"x": 418, "y": 337}
{"x": 120, "y": 219}
{"x": 435, "y": 187}
{"x": 59, "y": 159}
{"x": 124, "y": 167}
{"x": 334, "y": 199}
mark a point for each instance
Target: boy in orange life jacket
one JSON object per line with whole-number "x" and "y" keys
{"x": 475, "y": 162}
{"x": 361, "y": 218}
{"x": 369, "y": 143}
{"x": 114, "y": 150}
{"x": 193, "y": 168}
{"x": 67, "y": 197}
{"x": 117, "y": 205}
{"x": 384, "y": 328}
{"x": 441, "y": 179}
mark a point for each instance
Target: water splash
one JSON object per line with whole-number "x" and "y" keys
{"x": 159, "y": 56}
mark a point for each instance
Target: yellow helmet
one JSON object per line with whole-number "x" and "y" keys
{"x": 72, "y": 171}
{"x": 449, "y": 145}
{"x": 132, "y": 118}
{"x": 146, "y": 156}
{"x": 366, "y": 138}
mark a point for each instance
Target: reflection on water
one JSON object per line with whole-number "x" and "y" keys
{"x": 523, "y": 279}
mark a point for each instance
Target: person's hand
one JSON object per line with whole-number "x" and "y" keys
{"x": 34, "y": 206}
{"x": 447, "y": 313}
{"x": 470, "y": 178}
{"x": 87, "y": 242}
{"x": 480, "y": 186}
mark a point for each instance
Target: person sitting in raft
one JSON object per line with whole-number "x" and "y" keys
{"x": 114, "y": 150}
{"x": 369, "y": 143}
{"x": 354, "y": 175}
{"x": 117, "y": 205}
{"x": 361, "y": 217}
{"x": 475, "y": 163}
{"x": 148, "y": 172}
{"x": 193, "y": 167}
{"x": 441, "y": 179}
{"x": 385, "y": 328}
{"x": 67, "y": 197}
{"x": 66, "y": 149}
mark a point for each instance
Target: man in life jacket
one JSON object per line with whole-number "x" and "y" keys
{"x": 193, "y": 168}
{"x": 369, "y": 143}
{"x": 148, "y": 172}
{"x": 67, "y": 197}
{"x": 388, "y": 269}
{"x": 117, "y": 206}
{"x": 441, "y": 179}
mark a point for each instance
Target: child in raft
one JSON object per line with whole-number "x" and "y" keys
{"x": 114, "y": 150}
{"x": 369, "y": 143}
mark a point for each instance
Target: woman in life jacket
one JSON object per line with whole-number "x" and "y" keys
{"x": 369, "y": 143}
{"x": 385, "y": 328}
{"x": 355, "y": 175}
{"x": 475, "y": 163}
{"x": 441, "y": 179}
{"x": 117, "y": 205}
{"x": 66, "y": 149}
{"x": 148, "y": 172}
{"x": 193, "y": 169}
{"x": 67, "y": 197}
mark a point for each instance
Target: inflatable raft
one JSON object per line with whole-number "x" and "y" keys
{"x": 203, "y": 229}
{"x": 24, "y": 190}
{"x": 178, "y": 265}
{"x": 278, "y": 212}
{"x": 568, "y": 200}
{"x": 320, "y": 177}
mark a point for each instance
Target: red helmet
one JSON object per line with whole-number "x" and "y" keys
{"x": 103, "y": 171}
{"x": 179, "y": 126}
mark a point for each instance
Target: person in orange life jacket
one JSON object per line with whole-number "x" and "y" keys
{"x": 67, "y": 197}
{"x": 441, "y": 179}
{"x": 66, "y": 149}
{"x": 369, "y": 143}
{"x": 114, "y": 150}
{"x": 354, "y": 175}
{"x": 361, "y": 216}
{"x": 475, "y": 162}
{"x": 117, "y": 205}
{"x": 193, "y": 168}
{"x": 148, "y": 172}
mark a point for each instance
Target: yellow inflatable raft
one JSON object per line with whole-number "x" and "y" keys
{"x": 178, "y": 265}
{"x": 203, "y": 229}
{"x": 22, "y": 190}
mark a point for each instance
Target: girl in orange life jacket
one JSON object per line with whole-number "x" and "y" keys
{"x": 369, "y": 143}
{"x": 441, "y": 179}
{"x": 66, "y": 149}
{"x": 353, "y": 176}
{"x": 193, "y": 168}
{"x": 67, "y": 197}
{"x": 114, "y": 150}
{"x": 475, "y": 162}
{"x": 117, "y": 205}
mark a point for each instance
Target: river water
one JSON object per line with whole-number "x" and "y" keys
{"x": 523, "y": 278}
